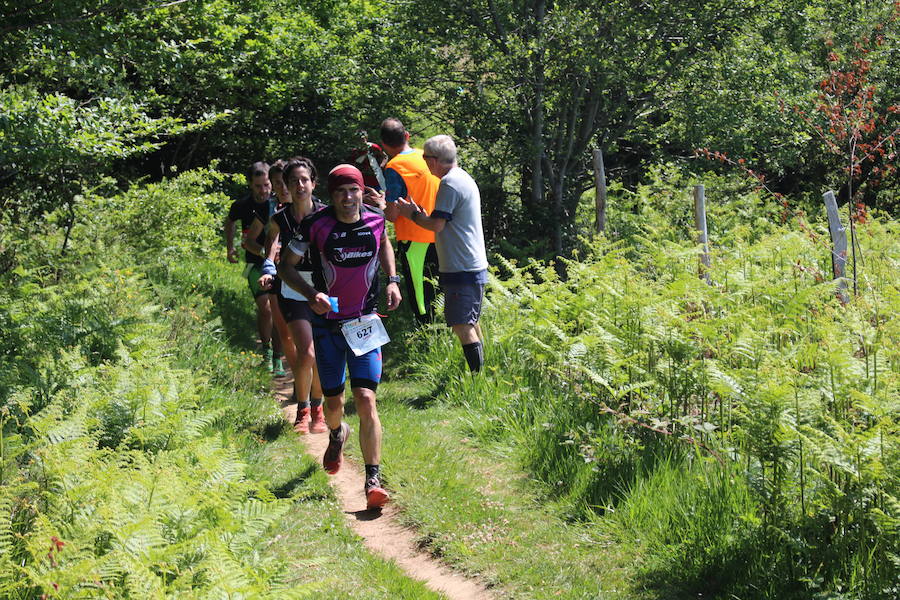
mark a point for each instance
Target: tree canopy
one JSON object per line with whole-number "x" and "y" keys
{"x": 103, "y": 92}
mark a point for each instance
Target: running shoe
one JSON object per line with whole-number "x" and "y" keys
{"x": 376, "y": 496}
{"x": 334, "y": 453}
{"x": 317, "y": 420}
{"x": 278, "y": 366}
{"x": 301, "y": 423}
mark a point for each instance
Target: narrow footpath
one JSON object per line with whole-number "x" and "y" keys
{"x": 380, "y": 529}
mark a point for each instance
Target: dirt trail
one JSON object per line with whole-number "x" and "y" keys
{"x": 381, "y": 530}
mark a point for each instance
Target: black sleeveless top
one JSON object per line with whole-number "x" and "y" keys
{"x": 288, "y": 227}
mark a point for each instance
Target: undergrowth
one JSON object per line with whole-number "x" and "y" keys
{"x": 121, "y": 462}
{"x": 741, "y": 435}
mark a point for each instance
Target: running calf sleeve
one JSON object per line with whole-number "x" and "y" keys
{"x": 474, "y": 354}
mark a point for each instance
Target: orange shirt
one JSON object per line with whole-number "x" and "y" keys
{"x": 421, "y": 188}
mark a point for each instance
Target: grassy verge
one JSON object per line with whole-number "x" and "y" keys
{"x": 474, "y": 508}
{"x": 738, "y": 438}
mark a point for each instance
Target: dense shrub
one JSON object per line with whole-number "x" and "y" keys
{"x": 117, "y": 453}
{"x": 632, "y": 374}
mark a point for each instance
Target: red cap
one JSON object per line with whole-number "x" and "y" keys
{"x": 342, "y": 175}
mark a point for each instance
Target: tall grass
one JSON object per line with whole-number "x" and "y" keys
{"x": 761, "y": 401}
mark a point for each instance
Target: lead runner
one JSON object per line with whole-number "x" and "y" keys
{"x": 348, "y": 242}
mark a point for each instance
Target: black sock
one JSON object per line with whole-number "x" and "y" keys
{"x": 373, "y": 471}
{"x": 315, "y": 402}
{"x": 335, "y": 434}
{"x": 301, "y": 404}
{"x": 474, "y": 354}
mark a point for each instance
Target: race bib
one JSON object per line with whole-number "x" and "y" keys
{"x": 292, "y": 294}
{"x": 365, "y": 334}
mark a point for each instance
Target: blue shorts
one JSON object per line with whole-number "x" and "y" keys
{"x": 334, "y": 356}
{"x": 462, "y": 302}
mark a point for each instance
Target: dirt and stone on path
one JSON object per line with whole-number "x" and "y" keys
{"x": 381, "y": 529}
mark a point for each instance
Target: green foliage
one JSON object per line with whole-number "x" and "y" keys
{"x": 535, "y": 86}
{"x": 57, "y": 132}
{"x": 177, "y": 217}
{"x": 769, "y": 104}
{"x": 136, "y": 89}
{"x": 126, "y": 90}
{"x": 653, "y": 217}
{"x": 617, "y": 375}
{"x": 59, "y": 145}
{"x": 119, "y": 464}
{"x": 114, "y": 449}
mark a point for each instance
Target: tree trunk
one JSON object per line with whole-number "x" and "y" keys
{"x": 559, "y": 188}
{"x": 600, "y": 197}
{"x": 537, "y": 117}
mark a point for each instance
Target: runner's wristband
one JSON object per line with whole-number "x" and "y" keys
{"x": 268, "y": 267}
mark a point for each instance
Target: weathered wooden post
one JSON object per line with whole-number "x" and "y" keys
{"x": 700, "y": 225}
{"x": 600, "y": 184}
{"x": 838, "y": 244}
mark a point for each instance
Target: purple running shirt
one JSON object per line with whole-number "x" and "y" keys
{"x": 345, "y": 258}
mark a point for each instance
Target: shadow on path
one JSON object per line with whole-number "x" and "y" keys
{"x": 369, "y": 514}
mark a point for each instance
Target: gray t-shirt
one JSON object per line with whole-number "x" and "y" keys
{"x": 460, "y": 245}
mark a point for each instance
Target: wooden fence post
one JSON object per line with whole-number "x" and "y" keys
{"x": 700, "y": 225}
{"x": 838, "y": 243}
{"x": 600, "y": 184}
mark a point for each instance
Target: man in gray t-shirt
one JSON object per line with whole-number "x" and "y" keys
{"x": 459, "y": 240}
{"x": 460, "y": 244}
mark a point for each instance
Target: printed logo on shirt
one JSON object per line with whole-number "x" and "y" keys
{"x": 345, "y": 254}
{"x": 335, "y": 235}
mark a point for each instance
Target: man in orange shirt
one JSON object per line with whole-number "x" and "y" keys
{"x": 407, "y": 176}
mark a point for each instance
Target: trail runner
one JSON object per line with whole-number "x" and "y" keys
{"x": 348, "y": 243}
{"x": 282, "y": 198}
{"x": 291, "y": 310}
{"x": 257, "y": 204}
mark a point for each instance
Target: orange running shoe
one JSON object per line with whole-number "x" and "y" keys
{"x": 317, "y": 420}
{"x": 376, "y": 496}
{"x": 301, "y": 423}
{"x": 334, "y": 453}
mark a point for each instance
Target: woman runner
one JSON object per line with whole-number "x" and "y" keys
{"x": 299, "y": 176}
